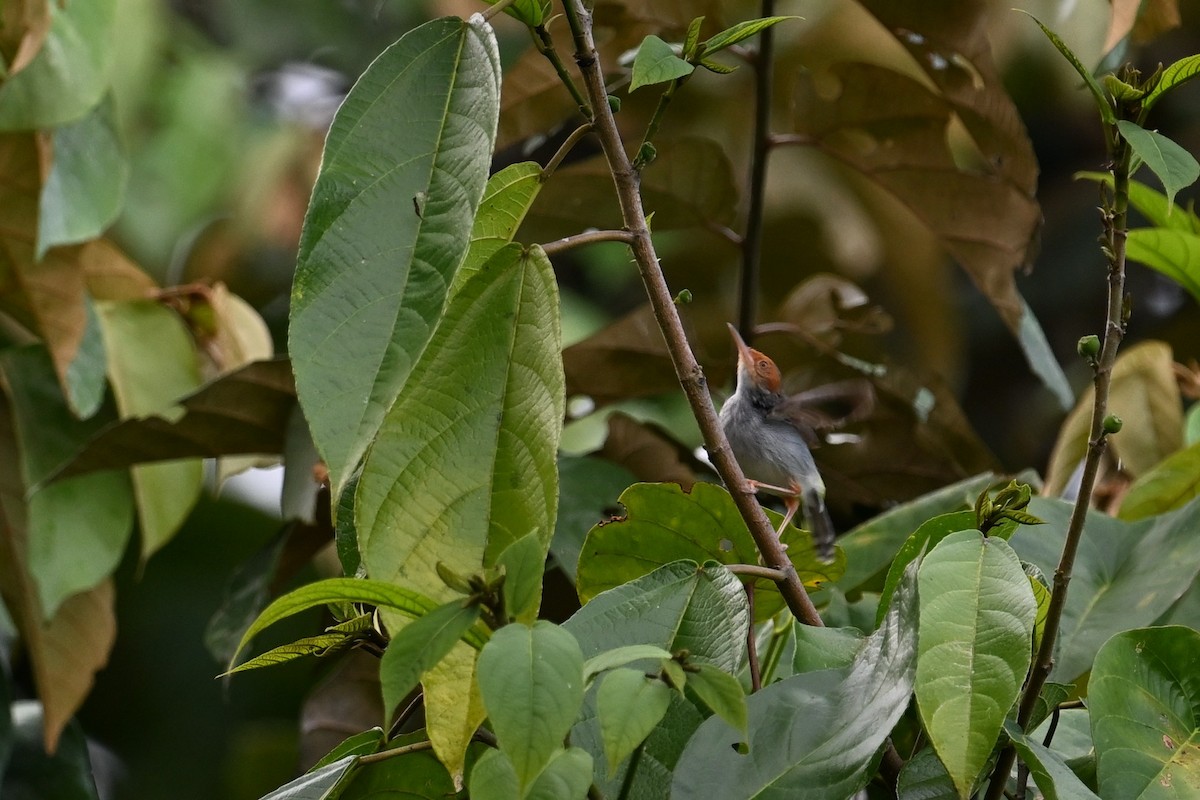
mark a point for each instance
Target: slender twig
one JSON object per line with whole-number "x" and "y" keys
{"x": 567, "y": 145}
{"x": 407, "y": 714}
{"x": 752, "y": 643}
{"x": 496, "y": 8}
{"x": 691, "y": 376}
{"x": 656, "y": 119}
{"x": 384, "y": 755}
{"x": 591, "y": 237}
{"x": 756, "y": 202}
{"x": 757, "y": 571}
{"x": 1115, "y": 218}
{"x": 545, "y": 45}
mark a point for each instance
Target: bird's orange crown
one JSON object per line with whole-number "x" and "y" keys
{"x": 764, "y": 371}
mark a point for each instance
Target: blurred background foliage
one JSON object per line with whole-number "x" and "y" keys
{"x": 222, "y": 106}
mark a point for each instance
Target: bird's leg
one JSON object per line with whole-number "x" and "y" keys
{"x": 759, "y": 486}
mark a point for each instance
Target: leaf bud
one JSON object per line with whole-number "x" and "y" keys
{"x": 614, "y": 103}
{"x": 1089, "y": 346}
{"x": 1112, "y": 423}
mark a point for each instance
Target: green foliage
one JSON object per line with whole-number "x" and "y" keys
{"x": 656, "y": 62}
{"x": 1174, "y": 166}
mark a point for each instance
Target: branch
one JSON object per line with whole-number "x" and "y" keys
{"x": 752, "y": 242}
{"x": 545, "y": 45}
{"x": 568, "y": 242}
{"x": 1116, "y": 224}
{"x": 567, "y": 145}
{"x": 691, "y": 376}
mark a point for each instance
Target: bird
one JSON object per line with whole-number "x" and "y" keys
{"x": 770, "y": 438}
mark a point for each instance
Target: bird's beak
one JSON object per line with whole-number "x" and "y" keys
{"x": 745, "y": 354}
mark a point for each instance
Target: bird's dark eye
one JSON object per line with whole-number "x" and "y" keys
{"x": 762, "y": 365}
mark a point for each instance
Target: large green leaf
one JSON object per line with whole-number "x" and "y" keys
{"x": 405, "y": 166}
{"x": 679, "y": 605}
{"x": 531, "y": 679}
{"x": 871, "y": 546}
{"x": 84, "y": 190}
{"x": 589, "y": 489}
{"x": 629, "y": 704}
{"x": 923, "y": 539}
{"x": 925, "y": 778}
{"x": 656, "y": 62}
{"x": 1174, "y": 166}
{"x": 77, "y": 529}
{"x": 568, "y": 776}
{"x": 1126, "y": 574}
{"x": 70, "y": 74}
{"x": 415, "y": 775}
{"x": 1174, "y": 253}
{"x": 976, "y": 634}
{"x": 465, "y": 460}
{"x": 151, "y": 366}
{"x": 1174, "y": 482}
{"x": 506, "y": 200}
{"x": 1144, "y": 698}
{"x": 663, "y": 523}
{"x": 816, "y": 735}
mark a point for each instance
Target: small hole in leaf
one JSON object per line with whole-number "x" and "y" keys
{"x": 725, "y": 545}
{"x": 741, "y": 748}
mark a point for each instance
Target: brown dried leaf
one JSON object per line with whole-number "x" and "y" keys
{"x": 1145, "y": 394}
{"x": 1156, "y": 17}
{"x": 24, "y": 25}
{"x": 65, "y": 653}
{"x": 111, "y": 275}
{"x": 689, "y": 185}
{"x": 627, "y": 358}
{"x": 45, "y": 296}
{"x": 648, "y": 452}
{"x": 242, "y": 412}
{"x": 1120, "y": 22}
{"x": 826, "y": 306}
{"x": 893, "y": 130}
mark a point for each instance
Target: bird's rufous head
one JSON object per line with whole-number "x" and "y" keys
{"x": 754, "y": 366}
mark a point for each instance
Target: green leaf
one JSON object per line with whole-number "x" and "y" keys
{"x": 925, "y": 778}
{"x": 524, "y": 562}
{"x": 1041, "y": 596}
{"x": 531, "y": 12}
{"x": 717, "y": 67}
{"x": 656, "y": 62}
{"x": 85, "y": 188}
{"x": 1051, "y": 774}
{"x": 721, "y": 692}
{"x": 568, "y": 776}
{"x": 871, "y": 547}
{"x": 816, "y": 735}
{"x": 588, "y": 490}
{"x": 825, "y": 648}
{"x": 629, "y": 704}
{"x": 663, "y": 523}
{"x": 1102, "y": 104}
{"x": 346, "y": 590}
{"x": 923, "y": 539}
{"x": 495, "y": 778}
{"x": 458, "y": 475}
{"x": 360, "y": 744}
{"x": 1041, "y": 358}
{"x": 77, "y": 530}
{"x": 1144, "y": 699}
{"x": 152, "y": 365}
{"x": 679, "y": 605}
{"x": 1050, "y": 697}
{"x": 619, "y": 657}
{"x": 37, "y": 775}
{"x": 70, "y": 74}
{"x": 1173, "y": 483}
{"x": 412, "y": 776}
{"x": 976, "y": 631}
{"x": 1174, "y": 253}
{"x": 1181, "y": 71}
{"x": 418, "y": 646}
{"x": 373, "y": 271}
{"x": 740, "y": 32}
{"x": 320, "y": 784}
{"x": 1126, "y": 574}
{"x": 691, "y": 41}
{"x": 335, "y": 639}
{"x": 531, "y": 680}
{"x": 506, "y": 200}
{"x": 1174, "y": 166}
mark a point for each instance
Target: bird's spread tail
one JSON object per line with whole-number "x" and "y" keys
{"x": 819, "y": 524}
